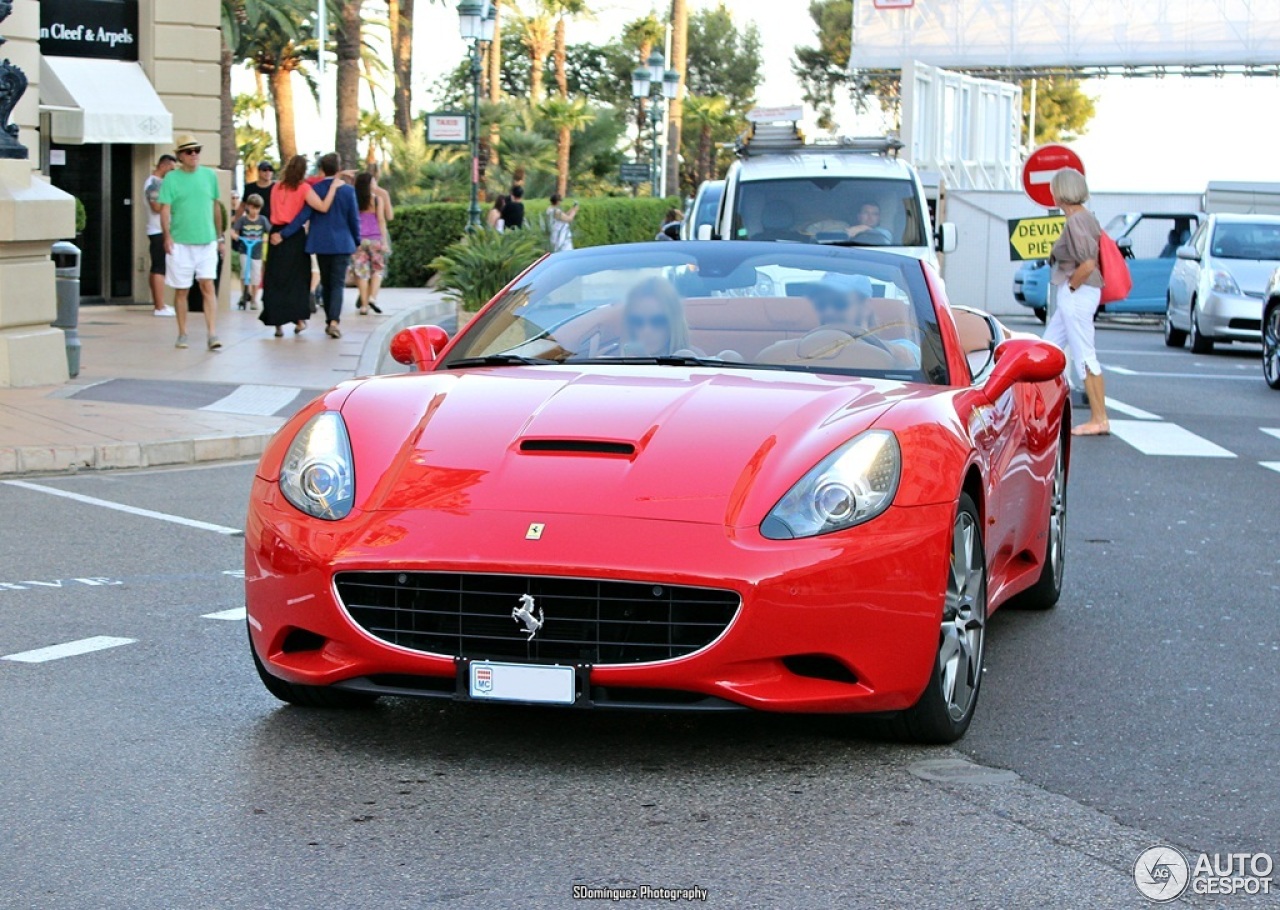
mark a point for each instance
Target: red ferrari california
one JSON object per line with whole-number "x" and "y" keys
{"x": 676, "y": 476}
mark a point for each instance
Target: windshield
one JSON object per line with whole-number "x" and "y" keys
{"x": 1242, "y": 240}
{"x": 731, "y": 306}
{"x": 859, "y": 211}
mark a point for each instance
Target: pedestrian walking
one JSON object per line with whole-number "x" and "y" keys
{"x": 249, "y": 231}
{"x": 261, "y": 187}
{"x": 1078, "y": 283}
{"x": 671, "y": 224}
{"x": 560, "y": 224}
{"x": 513, "y": 211}
{"x": 332, "y": 237}
{"x": 155, "y": 233}
{"x": 370, "y": 260}
{"x": 192, "y": 221}
{"x": 494, "y": 216}
{"x": 286, "y": 280}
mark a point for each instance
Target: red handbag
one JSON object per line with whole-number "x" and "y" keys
{"x": 1116, "y": 280}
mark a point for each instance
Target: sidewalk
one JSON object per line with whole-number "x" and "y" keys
{"x": 139, "y": 401}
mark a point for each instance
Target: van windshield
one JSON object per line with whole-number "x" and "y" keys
{"x": 846, "y": 211}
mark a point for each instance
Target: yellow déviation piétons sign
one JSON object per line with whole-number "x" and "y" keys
{"x": 1033, "y": 238}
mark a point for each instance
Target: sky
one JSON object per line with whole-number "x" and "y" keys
{"x": 1148, "y": 135}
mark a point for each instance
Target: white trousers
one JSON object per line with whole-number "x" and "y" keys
{"x": 1071, "y": 325}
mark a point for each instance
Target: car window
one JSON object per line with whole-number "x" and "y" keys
{"x": 769, "y": 306}
{"x": 842, "y": 210}
{"x": 1246, "y": 240}
{"x": 1198, "y": 241}
{"x": 1158, "y": 237}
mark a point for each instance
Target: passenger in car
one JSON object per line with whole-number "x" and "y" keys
{"x": 653, "y": 320}
{"x": 844, "y": 302}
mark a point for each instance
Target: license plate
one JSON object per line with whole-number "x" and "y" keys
{"x": 532, "y": 683}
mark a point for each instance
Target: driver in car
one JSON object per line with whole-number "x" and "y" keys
{"x": 869, "y": 224}
{"x": 844, "y": 302}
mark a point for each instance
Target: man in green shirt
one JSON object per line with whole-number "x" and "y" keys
{"x": 191, "y": 220}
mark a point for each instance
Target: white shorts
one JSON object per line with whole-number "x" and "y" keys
{"x": 1071, "y": 325}
{"x": 252, "y": 268}
{"x": 189, "y": 263}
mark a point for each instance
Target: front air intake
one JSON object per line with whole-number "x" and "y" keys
{"x": 577, "y": 447}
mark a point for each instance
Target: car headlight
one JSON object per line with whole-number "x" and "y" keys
{"x": 1223, "y": 283}
{"x": 853, "y": 484}
{"x": 318, "y": 476}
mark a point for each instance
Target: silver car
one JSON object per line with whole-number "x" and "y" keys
{"x": 1217, "y": 285}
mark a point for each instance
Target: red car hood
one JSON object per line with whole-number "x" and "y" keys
{"x": 660, "y": 443}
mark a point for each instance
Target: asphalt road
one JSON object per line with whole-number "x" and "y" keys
{"x": 157, "y": 772}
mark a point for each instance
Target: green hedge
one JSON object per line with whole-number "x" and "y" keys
{"x": 420, "y": 233}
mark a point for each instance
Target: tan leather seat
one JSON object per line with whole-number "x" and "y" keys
{"x": 976, "y": 339}
{"x": 747, "y": 325}
{"x": 830, "y": 348}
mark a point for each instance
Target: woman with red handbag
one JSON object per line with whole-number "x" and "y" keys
{"x": 1077, "y": 280}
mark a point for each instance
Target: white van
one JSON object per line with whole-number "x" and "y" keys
{"x": 854, "y": 192}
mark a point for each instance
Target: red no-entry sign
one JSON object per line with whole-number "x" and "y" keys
{"x": 1041, "y": 165}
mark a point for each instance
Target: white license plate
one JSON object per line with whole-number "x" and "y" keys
{"x": 522, "y": 682}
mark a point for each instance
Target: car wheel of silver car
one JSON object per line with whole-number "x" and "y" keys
{"x": 1271, "y": 345}
{"x": 1044, "y": 594}
{"x": 946, "y": 706}
{"x": 1199, "y": 343}
{"x": 1174, "y": 338}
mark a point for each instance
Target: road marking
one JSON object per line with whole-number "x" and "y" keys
{"x": 70, "y": 649}
{"x": 262, "y": 400}
{"x": 1271, "y": 465}
{"x": 1125, "y": 371}
{"x": 235, "y": 614}
{"x": 1271, "y": 431}
{"x": 1129, "y": 409}
{"x": 121, "y": 507}
{"x": 1166, "y": 439}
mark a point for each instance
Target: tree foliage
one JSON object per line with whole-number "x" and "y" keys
{"x": 724, "y": 60}
{"x": 1063, "y": 110}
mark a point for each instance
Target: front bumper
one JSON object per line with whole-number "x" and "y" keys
{"x": 1231, "y": 317}
{"x": 866, "y": 602}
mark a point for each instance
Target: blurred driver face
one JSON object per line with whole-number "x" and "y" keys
{"x": 649, "y": 326}
{"x": 869, "y": 215}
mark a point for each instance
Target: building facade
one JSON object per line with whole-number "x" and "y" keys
{"x": 117, "y": 79}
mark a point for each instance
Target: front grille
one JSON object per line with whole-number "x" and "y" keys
{"x": 585, "y": 621}
{"x": 1245, "y": 325}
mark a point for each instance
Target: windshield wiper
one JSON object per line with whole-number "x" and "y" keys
{"x": 501, "y": 360}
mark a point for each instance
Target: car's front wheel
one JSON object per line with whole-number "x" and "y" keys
{"x": 1271, "y": 345}
{"x": 308, "y": 696}
{"x": 1199, "y": 343}
{"x": 946, "y": 706}
{"x": 1044, "y": 594}
{"x": 1174, "y": 338}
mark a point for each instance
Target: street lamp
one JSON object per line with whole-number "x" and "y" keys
{"x": 658, "y": 85}
{"x": 477, "y": 20}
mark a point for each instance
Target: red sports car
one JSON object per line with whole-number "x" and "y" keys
{"x": 671, "y": 475}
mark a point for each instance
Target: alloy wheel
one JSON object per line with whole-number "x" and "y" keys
{"x": 963, "y": 620}
{"x": 1058, "y": 519}
{"x": 1271, "y": 347}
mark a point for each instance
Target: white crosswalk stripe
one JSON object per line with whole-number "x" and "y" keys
{"x": 1159, "y": 438}
{"x": 262, "y": 400}
{"x": 1130, "y": 410}
{"x": 68, "y": 649}
{"x": 235, "y": 614}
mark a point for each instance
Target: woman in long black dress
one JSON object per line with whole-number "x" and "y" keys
{"x": 286, "y": 279}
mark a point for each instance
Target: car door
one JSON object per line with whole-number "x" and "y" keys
{"x": 1183, "y": 280}
{"x": 1152, "y": 242}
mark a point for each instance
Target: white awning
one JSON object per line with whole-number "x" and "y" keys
{"x": 102, "y": 101}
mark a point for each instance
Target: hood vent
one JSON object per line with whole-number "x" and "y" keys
{"x": 577, "y": 447}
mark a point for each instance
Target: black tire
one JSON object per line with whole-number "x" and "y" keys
{"x": 1042, "y": 313}
{"x": 1044, "y": 594}
{"x": 1173, "y": 338}
{"x": 1271, "y": 345}
{"x": 937, "y": 718}
{"x": 1199, "y": 343}
{"x": 309, "y": 696}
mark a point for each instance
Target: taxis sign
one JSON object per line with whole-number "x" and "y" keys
{"x": 1033, "y": 238}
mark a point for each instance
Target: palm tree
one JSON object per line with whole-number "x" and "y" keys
{"x": 562, "y": 10}
{"x": 566, "y": 116}
{"x": 252, "y": 139}
{"x": 276, "y": 49}
{"x": 538, "y": 38}
{"x": 400, "y": 16}
{"x": 379, "y": 136}
{"x": 707, "y": 113}
{"x": 240, "y": 20}
{"x": 679, "y": 62}
{"x": 349, "y": 43}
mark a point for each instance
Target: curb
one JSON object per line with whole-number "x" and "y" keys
{"x": 116, "y": 455}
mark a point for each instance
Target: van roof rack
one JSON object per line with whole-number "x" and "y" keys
{"x": 775, "y": 131}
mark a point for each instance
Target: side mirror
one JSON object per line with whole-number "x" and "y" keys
{"x": 1023, "y": 360}
{"x": 946, "y": 237}
{"x": 1125, "y": 245}
{"x": 1188, "y": 252}
{"x": 419, "y": 346}
{"x": 704, "y": 232}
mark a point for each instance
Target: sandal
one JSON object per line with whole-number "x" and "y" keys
{"x": 1092, "y": 429}
{"x": 279, "y": 331}
{"x": 299, "y": 328}
{"x": 373, "y": 305}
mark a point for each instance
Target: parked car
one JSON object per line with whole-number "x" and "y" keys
{"x": 1149, "y": 240}
{"x": 1271, "y": 332}
{"x": 704, "y": 210}
{"x": 1217, "y": 286}
{"x": 631, "y": 482}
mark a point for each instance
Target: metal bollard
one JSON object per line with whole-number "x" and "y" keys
{"x": 66, "y": 265}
